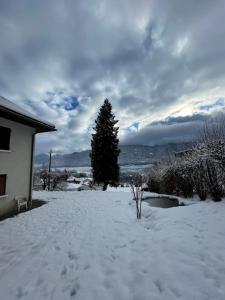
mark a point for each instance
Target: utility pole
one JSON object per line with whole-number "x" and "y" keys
{"x": 49, "y": 168}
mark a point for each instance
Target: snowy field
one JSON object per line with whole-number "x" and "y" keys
{"x": 88, "y": 245}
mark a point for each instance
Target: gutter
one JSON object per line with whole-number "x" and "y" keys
{"x": 31, "y": 169}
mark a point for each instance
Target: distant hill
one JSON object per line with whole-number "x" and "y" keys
{"x": 130, "y": 154}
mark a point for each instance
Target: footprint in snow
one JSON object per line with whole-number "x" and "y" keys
{"x": 118, "y": 222}
{"x": 86, "y": 267}
{"x": 158, "y": 285}
{"x": 72, "y": 256}
{"x": 108, "y": 284}
{"x": 74, "y": 290}
{"x": 114, "y": 257}
{"x": 109, "y": 272}
{"x": 35, "y": 248}
{"x": 64, "y": 271}
{"x": 120, "y": 246}
{"x": 175, "y": 292}
{"x": 20, "y": 293}
{"x": 40, "y": 281}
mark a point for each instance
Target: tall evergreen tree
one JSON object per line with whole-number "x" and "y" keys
{"x": 104, "y": 144}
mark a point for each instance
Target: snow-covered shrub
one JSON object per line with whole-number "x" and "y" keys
{"x": 211, "y": 152}
{"x": 55, "y": 180}
{"x": 198, "y": 174}
{"x": 44, "y": 178}
{"x": 154, "y": 184}
{"x": 169, "y": 181}
{"x": 210, "y": 171}
{"x": 215, "y": 180}
{"x": 172, "y": 176}
{"x": 177, "y": 179}
{"x": 205, "y": 164}
{"x": 153, "y": 179}
{"x": 199, "y": 170}
{"x": 184, "y": 180}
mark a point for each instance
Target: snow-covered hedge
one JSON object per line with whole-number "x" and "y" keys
{"x": 199, "y": 170}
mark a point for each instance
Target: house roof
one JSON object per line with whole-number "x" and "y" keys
{"x": 12, "y": 111}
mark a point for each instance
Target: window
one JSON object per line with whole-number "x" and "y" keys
{"x": 4, "y": 138}
{"x": 2, "y": 184}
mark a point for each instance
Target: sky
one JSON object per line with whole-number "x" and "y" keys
{"x": 160, "y": 63}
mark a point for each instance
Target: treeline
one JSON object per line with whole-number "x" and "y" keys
{"x": 54, "y": 180}
{"x": 199, "y": 170}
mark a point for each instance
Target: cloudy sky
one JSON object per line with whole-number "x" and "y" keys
{"x": 160, "y": 63}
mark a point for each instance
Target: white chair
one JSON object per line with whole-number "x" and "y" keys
{"x": 21, "y": 201}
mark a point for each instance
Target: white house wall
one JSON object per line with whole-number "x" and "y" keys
{"x": 16, "y": 164}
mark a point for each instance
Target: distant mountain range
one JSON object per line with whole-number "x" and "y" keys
{"x": 130, "y": 154}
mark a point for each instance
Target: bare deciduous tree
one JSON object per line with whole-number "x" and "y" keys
{"x": 137, "y": 192}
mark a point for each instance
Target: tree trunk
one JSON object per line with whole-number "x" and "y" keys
{"x": 104, "y": 188}
{"x": 140, "y": 209}
{"x": 137, "y": 208}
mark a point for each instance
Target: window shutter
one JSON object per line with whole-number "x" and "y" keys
{"x": 2, "y": 184}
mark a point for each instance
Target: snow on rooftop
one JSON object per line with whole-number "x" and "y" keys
{"x": 5, "y": 103}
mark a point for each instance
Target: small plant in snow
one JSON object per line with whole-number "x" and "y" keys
{"x": 137, "y": 192}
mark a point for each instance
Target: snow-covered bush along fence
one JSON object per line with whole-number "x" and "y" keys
{"x": 199, "y": 170}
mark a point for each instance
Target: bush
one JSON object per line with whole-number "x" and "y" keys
{"x": 200, "y": 169}
{"x": 154, "y": 185}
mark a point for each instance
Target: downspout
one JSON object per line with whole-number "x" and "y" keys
{"x": 31, "y": 169}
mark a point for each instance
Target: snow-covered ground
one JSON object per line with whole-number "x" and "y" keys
{"x": 88, "y": 245}
{"x": 72, "y": 186}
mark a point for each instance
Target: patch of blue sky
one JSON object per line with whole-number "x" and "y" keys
{"x": 60, "y": 101}
{"x": 133, "y": 127}
{"x": 71, "y": 103}
{"x": 218, "y": 103}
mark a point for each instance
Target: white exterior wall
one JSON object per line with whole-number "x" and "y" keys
{"x": 16, "y": 164}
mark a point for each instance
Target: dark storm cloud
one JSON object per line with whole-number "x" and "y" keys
{"x": 186, "y": 119}
{"x": 161, "y": 134}
{"x": 150, "y": 58}
{"x": 174, "y": 129}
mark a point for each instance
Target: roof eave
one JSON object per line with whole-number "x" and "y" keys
{"x": 17, "y": 117}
